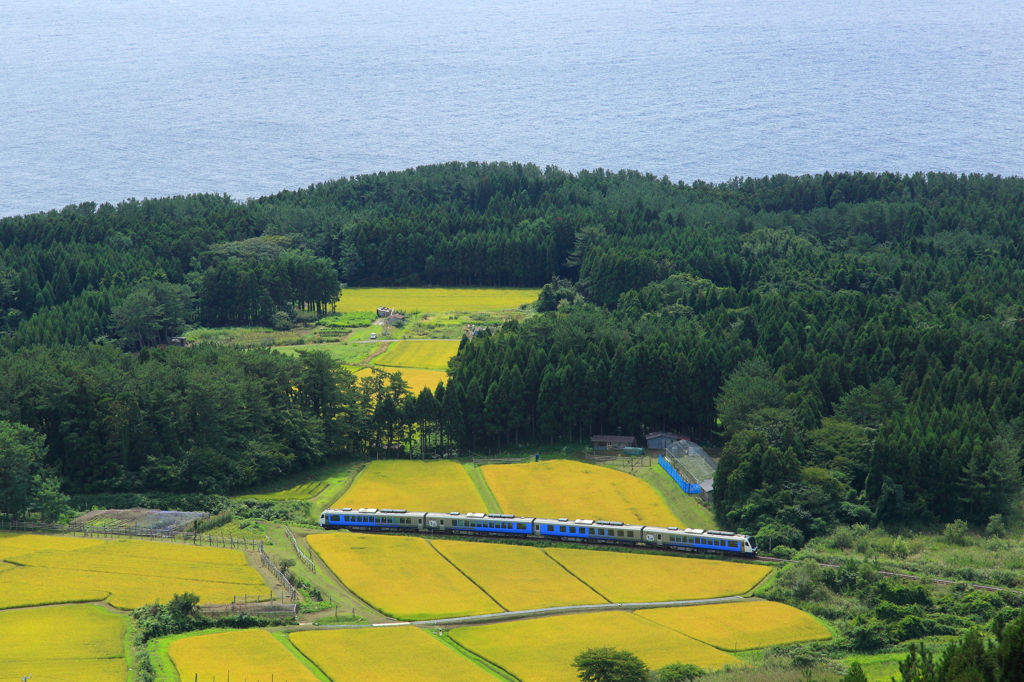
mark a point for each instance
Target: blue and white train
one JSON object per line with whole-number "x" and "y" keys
{"x": 507, "y": 525}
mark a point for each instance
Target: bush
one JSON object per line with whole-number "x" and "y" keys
{"x": 995, "y": 527}
{"x": 281, "y": 321}
{"x": 679, "y": 672}
{"x": 956, "y": 532}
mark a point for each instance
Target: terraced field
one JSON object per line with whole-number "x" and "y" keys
{"x": 386, "y": 655}
{"x": 246, "y": 654}
{"x": 416, "y": 486}
{"x": 69, "y": 643}
{"x": 434, "y": 299}
{"x": 401, "y": 576}
{"x": 542, "y": 649}
{"x": 628, "y": 578}
{"x": 741, "y": 626}
{"x": 558, "y": 488}
{"x": 516, "y": 577}
{"x": 127, "y": 573}
{"x": 418, "y": 354}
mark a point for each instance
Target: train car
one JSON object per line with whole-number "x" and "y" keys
{"x": 372, "y": 519}
{"x": 700, "y": 540}
{"x": 588, "y": 530}
{"x": 479, "y": 524}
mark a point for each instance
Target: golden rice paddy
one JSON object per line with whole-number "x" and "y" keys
{"x": 626, "y": 578}
{"x": 517, "y": 577}
{"x": 60, "y": 632}
{"x": 403, "y": 653}
{"x": 417, "y": 379}
{"x": 571, "y": 489}
{"x": 416, "y": 486}
{"x": 128, "y": 573}
{"x": 420, "y": 354}
{"x": 740, "y": 626}
{"x": 243, "y": 654}
{"x": 434, "y": 300}
{"x": 403, "y": 577}
{"x": 68, "y": 643}
{"x": 542, "y": 649}
{"x": 15, "y": 544}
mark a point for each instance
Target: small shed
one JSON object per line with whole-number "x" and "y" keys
{"x": 383, "y": 311}
{"x": 612, "y": 442}
{"x": 177, "y": 341}
{"x": 707, "y": 490}
{"x": 396, "y": 320}
{"x": 659, "y": 440}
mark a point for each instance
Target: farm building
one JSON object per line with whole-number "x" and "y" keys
{"x": 659, "y": 440}
{"x": 383, "y": 312}
{"x": 612, "y": 442}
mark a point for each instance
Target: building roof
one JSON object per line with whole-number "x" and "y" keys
{"x": 708, "y": 485}
{"x": 612, "y": 439}
{"x": 665, "y": 434}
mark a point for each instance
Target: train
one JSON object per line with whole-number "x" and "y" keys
{"x": 508, "y": 525}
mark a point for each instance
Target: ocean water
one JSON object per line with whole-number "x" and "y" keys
{"x": 103, "y": 100}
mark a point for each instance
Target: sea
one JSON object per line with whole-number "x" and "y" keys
{"x": 105, "y": 100}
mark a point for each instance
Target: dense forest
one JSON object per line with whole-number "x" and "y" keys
{"x": 854, "y": 341}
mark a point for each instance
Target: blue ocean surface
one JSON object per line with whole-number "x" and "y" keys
{"x": 103, "y": 100}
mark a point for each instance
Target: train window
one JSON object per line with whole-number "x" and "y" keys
{"x": 561, "y": 529}
{"x": 590, "y": 530}
{"x": 620, "y": 533}
{"x": 551, "y": 529}
{"x": 733, "y": 543}
{"x": 521, "y": 526}
{"x": 629, "y": 533}
{"x": 600, "y": 531}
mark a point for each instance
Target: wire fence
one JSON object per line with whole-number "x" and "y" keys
{"x": 308, "y": 562}
{"x": 688, "y": 488}
{"x": 269, "y": 564}
{"x": 86, "y": 530}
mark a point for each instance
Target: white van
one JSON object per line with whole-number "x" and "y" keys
{"x": 373, "y": 335}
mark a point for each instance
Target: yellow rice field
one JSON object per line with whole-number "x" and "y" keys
{"x": 434, "y": 300}
{"x": 626, "y": 578}
{"x": 15, "y": 544}
{"x": 416, "y": 486}
{"x": 128, "y": 573}
{"x": 542, "y": 649}
{"x": 558, "y": 488}
{"x": 403, "y": 653}
{"x": 69, "y": 670}
{"x": 60, "y": 632}
{"x": 403, "y": 577}
{"x": 420, "y": 354}
{"x": 740, "y": 626}
{"x": 245, "y": 654}
{"x": 517, "y": 577}
{"x": 418, "y": 379}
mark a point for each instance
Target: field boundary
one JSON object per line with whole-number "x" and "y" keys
{"x": 302, "y": 556}
{"x": 491, "y": 667}
{"x": 463, "y": 574}
{"x": 566, "y": 569}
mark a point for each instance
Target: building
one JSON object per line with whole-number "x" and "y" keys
{"x": 659, "y": 440}
{"x": 383, "y": 312}
{"x": 707, "y": 490}
{"x": 612, "y": 442}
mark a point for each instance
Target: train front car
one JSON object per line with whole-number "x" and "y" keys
{"x": 479, "y": 524}
{"x": 700, "y": 540}
{"x": 372, "y": 519}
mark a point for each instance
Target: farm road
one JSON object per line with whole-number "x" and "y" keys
{"x": 530, "y": 613}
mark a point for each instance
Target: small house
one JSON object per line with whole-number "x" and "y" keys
{"x": 395, "y": 320}
{"x": 659, "y": 440}
{"x": 612, "y": 442}
{"x": 383, "y": 312}
{"x": 707, "y": 490}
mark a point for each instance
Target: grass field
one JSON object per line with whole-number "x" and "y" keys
{"x": 416, "y": 486}
{"x": 624, "y": 578}
{"x": 403, "y": 577}
{"x": 558, "y": 488}
{"x": 542, "y": 649}
{"x": 244, "y": 654}
{"x": 434, "y": 300}
{"x": 344, "y": 353}
{"x": 386, "y": 655}
{"x": 418, "y": 354}
{"x": 741, "y": 626}
{"x": 131, "y": 572}
{"x": 517, "y": 577}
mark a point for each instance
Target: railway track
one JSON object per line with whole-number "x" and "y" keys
{"x": 905, "y": 576}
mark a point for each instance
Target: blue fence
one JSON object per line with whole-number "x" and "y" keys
{"x": 688, "y": 488}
